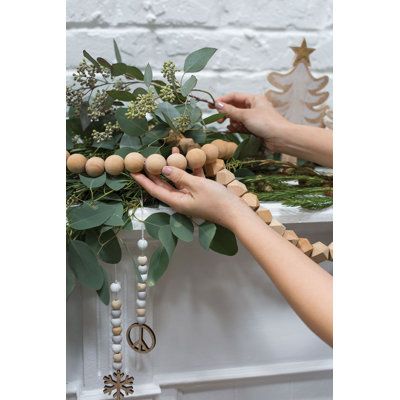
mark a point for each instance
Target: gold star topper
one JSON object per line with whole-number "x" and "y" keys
{"x": 302, "y": 53}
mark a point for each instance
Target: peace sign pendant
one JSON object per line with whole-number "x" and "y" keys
{"x": 141, "y": 345}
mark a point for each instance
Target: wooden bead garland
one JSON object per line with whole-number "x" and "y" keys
{"x": 94, "y": 166}
{"x": 114, "y": 165}
{"x": 211, "y": 152}
{"x": 177, "y": 160}
{"x": 196, "y": 158}
{"x": 155, "y": 163}
{"x": 76, "y": 163}
{"x": 134, "y": 162}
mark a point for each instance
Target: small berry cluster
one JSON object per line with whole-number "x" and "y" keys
{"x": 169, "y": 70}
{"x": 107, "y": 134}
{"x": 144, "y": 103}
{"x": 182, "y": 122}
{"x": 167, "y": 93}
{"x": 100, "y": 105}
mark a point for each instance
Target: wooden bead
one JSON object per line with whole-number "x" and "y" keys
{"x": 291, "y": 236}
{"x": 116, "y": 304}
{"x": 68, "y": 154}
{"x": 196, "y": 158}
{"x": 252, "y": 200}
{"x": 115, "y": 287}
{"x": 76, "y": 163}
{"x": 331, "y": 251}
{"x": 141, "y": 286}
{"x": 142, "y": 260}
{"x": 222, "y": 147}
{"x": 140, "y": 303}
{"x": 141, "y": 320}
{"x": 224, "y": 177}
{"x": 320, "y": 252}
{"x": 186, "y": 144}
{"x": 117, "y": 366}
{"x": 212, "y": 168}
{"x": 94, "y": 166}
{"x": 116, "y": 322}
{"x": 141, "y": 295}
{"x": 142, "y": 244}
{"x": 117, "y": 357}
{"x": 117, "y": 339}
{"x": 116, "y": 348}
{"x": 155, "y": 163}
{"x": 237, "y": 188}
{"x": 265, "y": 215}
{"x": 177, "y": 160}
{"x": 231, "y": 148}
{"x": 116, "y": 313}
{"x": 141, "y": 312}
{"x": 143, "y": 269}
{"x": 211, "y": 152}
{"x": 117, "y": 330}
{"x": 277, "y": 226}
{"x": 134, "y": 162}
{"x": 305, "y": 246}
{"x": 114, "y": 165}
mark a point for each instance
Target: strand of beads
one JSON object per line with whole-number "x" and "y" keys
{"x": 143, "y": 270}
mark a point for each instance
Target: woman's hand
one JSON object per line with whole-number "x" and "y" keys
{"x": 195, "y": 196}
{"x": 255, "y": 114}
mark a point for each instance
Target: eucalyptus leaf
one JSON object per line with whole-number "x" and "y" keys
{"x": 90, "y": 58}
{"x": 70, "y": 281}
{"x": 116, "y": 217}
{"x": 104, "y": 291}
{"x": 103, "y": 62}
{"x": 154, "y": 135}
{"x": 122, "y": 95}
{"x": 189, "y": 85}
{"x": 224, "y": 242}
{"x": 158, "y": 265}
{"x": 133, "y": 142}
{"x": 147, "y": 151}
{"x": 93, "y": 183}
{"x": 148, "y": 75}
{"x": 207, "y": 232}
{"x": 154, "y": 222}
{"x": 110, "y": 249}
{"x": 213, "y": 118}
{"x": 197, "y": 60}
{"x": 198, "y": 135}
{"x": 167, "y": 113}
{"x": 132, "y": 127}
{"x": 118, "y": 69}
{"x": 134, "y": 72}
{"x": 124, "y": 151}
{"x": 89, "y": 215}
{"x": 248, "y": 148}
{"x": 116, "y": 51}
{"x": 83, "y": 262}
{"x": 116, "y": 183}
{"x": 182, "y": 227}
{"x": 167, "y": 239}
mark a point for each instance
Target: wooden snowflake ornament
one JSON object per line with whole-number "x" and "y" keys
{"x": 118, "y": 385}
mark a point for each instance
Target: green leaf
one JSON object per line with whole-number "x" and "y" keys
{"x": 133, "y": 142}
{"x": 207, "y": 232}
{"x": 133, "y": 72}
{"x": 103, "y": 62}
{"x": 198, "y": 135}
{"x": 155, "y": 134}
{"x": 167, "y": 113}
{"x": 104, "y": 291}
{"x": 213, "y": 118}
{"x": 90, "y": 58}
{"x": 116, "y": 183}
{"x": 116, "y": 51}
{"x": 148, "y": 75}
{"x": 158, "y": 265}
{"x": 116, "y": 217}
{"x": 224, "y": 242}
{"x": 105, "y": 245}
{"x": 197, "y": 60}
{"x": 83, "y": 262}
{"x": 167, "y": 239}
{"x": 182, "y": 227}
{"x": 248, "y": 148}
{"x": 154, "y": 222}
{"x": 132, "y": 127}
{"x": 118, "y": 69}
{"x": 195, "y": 114}
{"x": 121, "y": 95}
{"x": 70, "y": 281}
{"x": 92, "y": 183}
{"x": 189, "y": 85}
{"x": 147, "y": 151}
{"x": 124, "y": 151}
{"x": 88, "y": 216}
{"x": 240, "y": 172}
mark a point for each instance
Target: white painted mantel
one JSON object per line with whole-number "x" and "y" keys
{"x": 223, "y": 330}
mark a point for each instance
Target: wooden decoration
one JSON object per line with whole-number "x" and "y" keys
{"x": 252, "y": 200}
{"x": 155, "y": 163}
{"x": 211, "y": 152}
{"x": 118, "y": 385}
{"x": 225, "y": 177}
{"x": 222, "y": 147}
{"x": 94, "y": 166}
{"x": 134, "y": 162}
{"x": 231, "y": 148}
{"x": 212, "y": 169}
{"x": 305, "y": 246}
{"x": 265, "y": 215}
{"x": 328, "y": 118}
{"x": 76, "y": 163}
{"x": 277, "y": 226}
{"x": 237, "y": 188}
{"x": 196, "y": 158}
{"x": 141, "y": 345}
{"x": 177, "y": 160}
{"x": 114, "y": 164}
{"x": 186, "y": 144}
{"x": 299, "y": 97}
{"x": 331, "y": 251}
{"x": 320, "y": 252}
{"x": 291, "y": 236}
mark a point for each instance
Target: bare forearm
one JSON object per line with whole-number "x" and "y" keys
{"x": 305, "y": 285}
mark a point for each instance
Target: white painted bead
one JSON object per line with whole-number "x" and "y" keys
{"x": 141, "y": 303}
{"x": 116, "y": 348}
{"x": 142, "y": 244}
{"x": 115, "y": 313}
{"x": 141, "y": 295}
{"x": 116, "y": 321}
{"x": 144, "y": 277}
{"x": 117, "y": 339}
{"x": 117, "y": 365}
{"x": 115, "y": 287}
{"x": 141, "y": 320}
{"x": 142, "y": 260}
{"x": 143, "y": 269}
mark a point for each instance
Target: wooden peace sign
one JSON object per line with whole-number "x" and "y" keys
{"x": 140, "y": 345}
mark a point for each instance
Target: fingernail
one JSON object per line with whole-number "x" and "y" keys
{"x": 166, "y": 170}
{"x": 219, "y": 106}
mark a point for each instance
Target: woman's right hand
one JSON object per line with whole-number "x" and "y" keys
{"x": 254, "y": 114}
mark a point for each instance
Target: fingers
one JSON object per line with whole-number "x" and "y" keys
{"x": 199, "y": 172}
{"x": 158, "y": 181}
{"x": 231, "y": 111}
{"x": 241, "y": 100}
{"x": 179, "y": 177}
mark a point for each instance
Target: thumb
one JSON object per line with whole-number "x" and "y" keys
{"x": 179, "y": 177}
{"x": 231, "y": 111}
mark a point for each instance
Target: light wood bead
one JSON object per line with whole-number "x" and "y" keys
{"x": 265, "y": 215}
{"x": 237, "y": 188}
{"x": 155, "y": 163}
{"x": 231, "y": 148}
{"x": 186, "y": 144}
{"x": 67, "y": 154}
{"x": 222, "y": 147}
{"x": 116, "y": 304}
{"x": 212, "y": 168}
{"x": 94, "y": 166}
{"x": 141, "y": 286}
{"x": 196, "y": 158}
{"x": 224, "y": 177}
{"x": 331, "y": 251}
{"x": 114, "y": 165}
{"x": 117, "y": 330}
{"x": 320, "y": 252}
{"x": 211, "y": 152}
{"x": 177, "y": 160}
{"x": 117, "y": 357}
{"x": 141, "y": 312}
{"x": 76, "y": 163}
{"x": 305, "y": 246}
{"x": 277, "y": 226}
{"x": 134, "y": 162}
{"x": 252, "y": 200}
{"x": 291, "y": 236}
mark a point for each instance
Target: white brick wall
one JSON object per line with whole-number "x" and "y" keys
{"x": 252, "y": 37}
